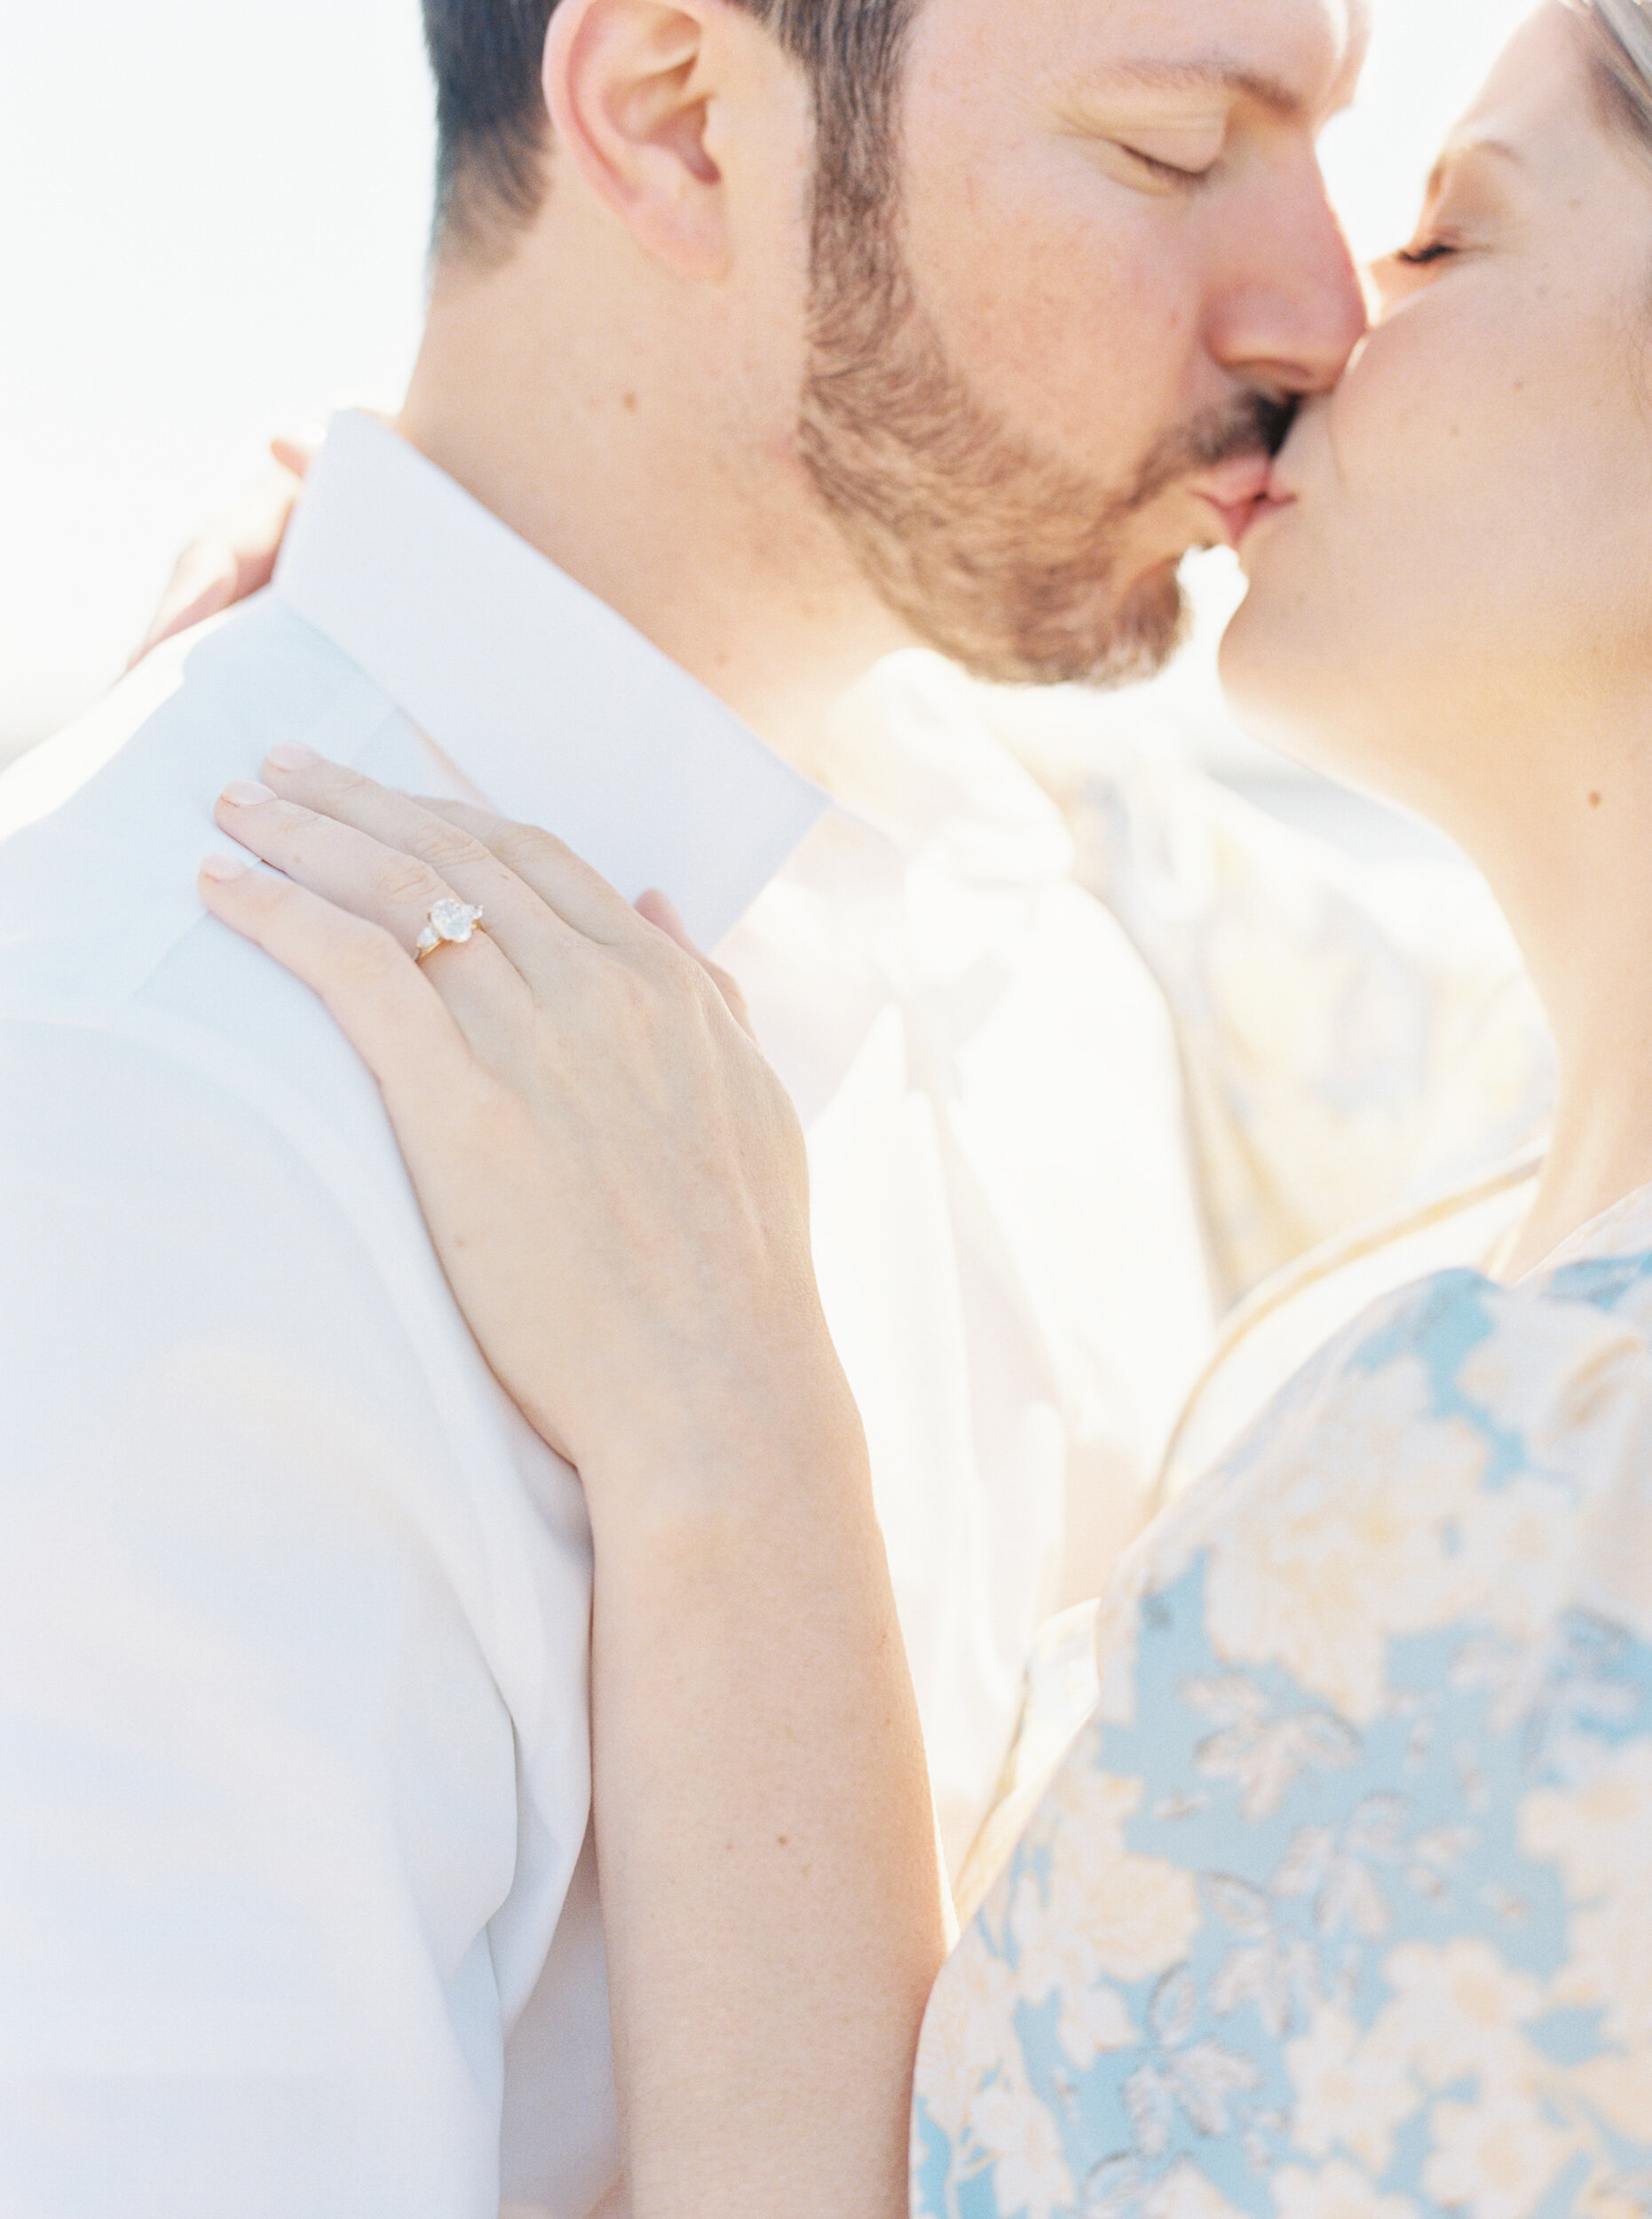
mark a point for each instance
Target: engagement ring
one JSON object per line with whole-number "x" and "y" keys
{"x": 451, "y": 924}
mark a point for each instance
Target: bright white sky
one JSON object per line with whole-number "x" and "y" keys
{"x": 215, "y": 216}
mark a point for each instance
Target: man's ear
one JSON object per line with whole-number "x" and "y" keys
{"x": 632, "y": 86}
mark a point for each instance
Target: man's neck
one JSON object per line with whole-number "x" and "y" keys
{"x": 587, "y": 447}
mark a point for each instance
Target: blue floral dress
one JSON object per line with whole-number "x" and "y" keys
{"x": 1340, "y": 1905}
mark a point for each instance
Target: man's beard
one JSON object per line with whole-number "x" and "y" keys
{"x": 1003, "y": 557}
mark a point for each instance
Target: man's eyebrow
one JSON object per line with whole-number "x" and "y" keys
{"x": 1213, "y": 73}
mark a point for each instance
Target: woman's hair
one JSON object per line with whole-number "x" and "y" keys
{"x": 1624, "y": 59}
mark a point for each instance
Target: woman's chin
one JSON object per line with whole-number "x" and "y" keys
{"x": 1314, "y": 711}
{"x": 1278, "y": 690}
{"x": 1262, "y": 670}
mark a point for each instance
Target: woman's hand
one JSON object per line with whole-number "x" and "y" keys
{"x": 616, "y": 1185}
{"x": 612, "y": 1174}
{"x": 235, "y": 554}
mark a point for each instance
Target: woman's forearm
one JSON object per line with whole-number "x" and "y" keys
{"x": 618, "y": 1189}
{"x": 770, "y": 1894}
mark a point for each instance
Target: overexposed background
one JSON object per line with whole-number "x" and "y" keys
{"x": 215, "y": 215}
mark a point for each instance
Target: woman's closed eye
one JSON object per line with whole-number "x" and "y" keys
{"x": 1465, "y": 206}
{"x": 1399, "y": 274}
{"x": 1418, "y": 256}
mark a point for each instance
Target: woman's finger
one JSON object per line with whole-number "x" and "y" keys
{"x": 657, "y": 910}
{"x": 384, "y": 1005}
{"x": 519, "y": 919}
{"x": 399, "y": 894}
{"x": 562, "y": 881}
{"x": 295, "y": 451}
{"x": 233, "y": 558}
{"x": 478, "y": 852}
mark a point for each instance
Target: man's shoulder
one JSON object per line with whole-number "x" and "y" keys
{"x": 102, "y": 828}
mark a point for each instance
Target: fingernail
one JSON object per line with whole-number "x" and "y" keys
{"x": 292, "y": 754}
{"x": 221, "y": 869}
{"x": 244, "y": 794}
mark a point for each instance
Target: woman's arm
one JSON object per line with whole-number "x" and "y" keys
{"x": 767, "y": 1857}
{"x": 616, "y": 1185}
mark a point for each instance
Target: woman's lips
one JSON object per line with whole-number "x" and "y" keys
{"x": 1265, "y": 505}
{"x": 1241, "y": 493}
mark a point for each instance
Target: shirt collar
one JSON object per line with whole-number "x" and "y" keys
{"x": 552, "y": 704}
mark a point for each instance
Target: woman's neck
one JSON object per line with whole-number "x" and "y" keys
{"x": 1575, "y": 879}
{"x": 1589, "y": 1166}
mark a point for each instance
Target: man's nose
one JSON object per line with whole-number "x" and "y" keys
{"x": 1293, "y": 309}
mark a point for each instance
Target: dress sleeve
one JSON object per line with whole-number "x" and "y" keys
{"x": 1337, "y": 1908}
{"x": 257, "y": 1791}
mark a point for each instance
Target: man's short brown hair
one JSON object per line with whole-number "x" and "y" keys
{"x": 493, "y": 129}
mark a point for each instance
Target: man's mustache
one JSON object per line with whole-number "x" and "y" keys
{"x": 1257, "y": 425}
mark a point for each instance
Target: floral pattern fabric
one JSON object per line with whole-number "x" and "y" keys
{"x": 1340, "y": 1904}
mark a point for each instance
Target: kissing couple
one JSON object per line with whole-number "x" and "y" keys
{"x": 399, "y": 1823}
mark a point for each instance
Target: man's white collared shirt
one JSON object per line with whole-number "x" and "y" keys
{"x": 298, "y": 1915}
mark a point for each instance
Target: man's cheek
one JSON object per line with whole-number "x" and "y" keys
{"x": 1077, "y": 367}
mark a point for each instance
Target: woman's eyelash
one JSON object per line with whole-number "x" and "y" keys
{"x": 1418, "y": 257}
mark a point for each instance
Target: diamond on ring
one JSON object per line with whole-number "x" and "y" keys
{"x": 451, "y": 924}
